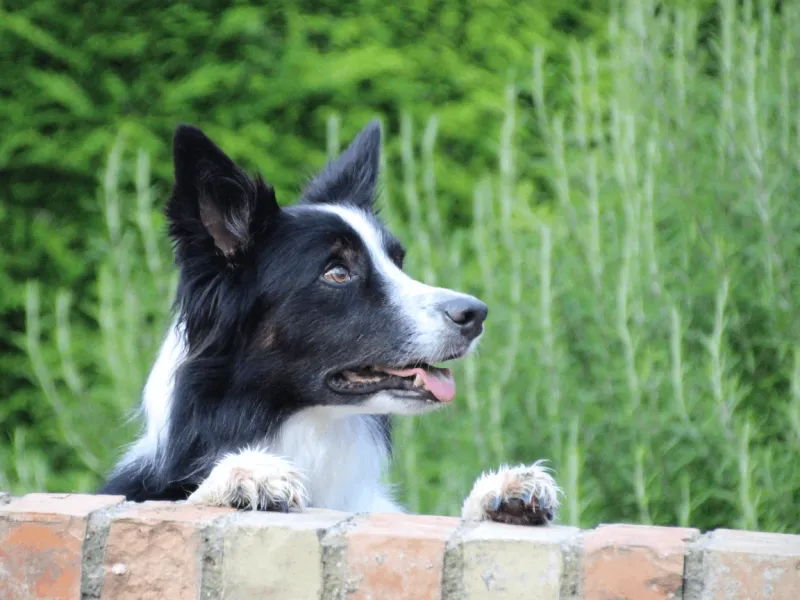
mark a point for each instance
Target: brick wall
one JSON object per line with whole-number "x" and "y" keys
{"x": 83, "y": 546}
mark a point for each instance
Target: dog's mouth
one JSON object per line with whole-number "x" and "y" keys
{"x": 421, "y": 380}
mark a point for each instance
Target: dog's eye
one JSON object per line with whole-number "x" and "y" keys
{"x": 337, "y": 274}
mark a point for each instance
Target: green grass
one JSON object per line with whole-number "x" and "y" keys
{"x": 643, "y": 328}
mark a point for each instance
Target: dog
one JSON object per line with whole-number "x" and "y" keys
{"x": 297, "y": 336}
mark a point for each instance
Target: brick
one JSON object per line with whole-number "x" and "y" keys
{"x": 507, "y": 561}
{"x": 42, "y": 544}
{"x": 747, "y": 564}
{"x": 273, "y": 555}
{"x": 397, "y": 557}
{"x": 155, "y": 550}
{"x": 633, "y": 562}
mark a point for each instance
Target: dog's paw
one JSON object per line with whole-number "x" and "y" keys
{"x": 523, "y": 495}
{"x": 253, "y": 479}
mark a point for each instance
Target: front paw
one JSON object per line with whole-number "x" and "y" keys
{"x": 253, "y": 479}
{"x": 523, "y": 495}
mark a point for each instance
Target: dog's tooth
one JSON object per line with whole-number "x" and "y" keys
{"x": 418, "y": 380}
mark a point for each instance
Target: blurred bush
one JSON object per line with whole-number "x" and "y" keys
{"x": 624, "y": 204}
{"x": 262, "y": 79}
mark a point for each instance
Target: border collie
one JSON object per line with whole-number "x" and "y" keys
{"x": 297, "y": 336}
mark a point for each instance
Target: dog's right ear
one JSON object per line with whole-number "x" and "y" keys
{"x": 352, "y": 177}
{"x": 214, "y": 206}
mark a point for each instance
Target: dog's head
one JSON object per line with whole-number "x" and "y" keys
{"x": 309, "y": 302}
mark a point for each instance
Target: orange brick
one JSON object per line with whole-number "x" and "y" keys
{"x": 41, "y": 544}
{"x": 397, "y": 557}
{"x": 749, "y": 564}
{"x": 632, "y": 562}
{"x": 155, "y": 551}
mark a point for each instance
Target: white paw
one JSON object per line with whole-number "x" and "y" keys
{"x": 523, "y": 495}
{"x": 253, "y": 479}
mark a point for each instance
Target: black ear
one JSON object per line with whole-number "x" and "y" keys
{"x": 351, "y": 178}
{"x": 213, "y": 200}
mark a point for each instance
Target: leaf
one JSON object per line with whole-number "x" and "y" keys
{"x": 36, "y": 36}
{"x": 343, "y": 69}
{"x": 62, "y": 89}
{"x": 241, "y": 21}
{"x": 203, "y": 81}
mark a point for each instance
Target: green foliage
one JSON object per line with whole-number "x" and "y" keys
{"x": 647, "y": 335}
{"x": 262, "y": 79}
{"x": 89, "y": 362}
{"x": 632, "y": 227}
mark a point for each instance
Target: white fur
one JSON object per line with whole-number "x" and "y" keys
{"x": 157, "y": 399}
{"x": 252, "y": 477}
{"x": 388, "y": 403}
{"x": 507, "y": 482}
{"x": 341, "y": 456}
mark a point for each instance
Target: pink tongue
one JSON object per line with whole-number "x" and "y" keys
{"x": 438, "y": 383}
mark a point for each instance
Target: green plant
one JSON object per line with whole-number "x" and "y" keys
{"x": 90, "y": 362}
{"x": 262, "y": 78}
{"x": 642, "y": 330}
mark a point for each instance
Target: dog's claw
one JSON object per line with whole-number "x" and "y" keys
{"x": 516, "y": 504}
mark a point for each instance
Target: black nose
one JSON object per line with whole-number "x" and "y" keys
{"x": 467, "y": 313}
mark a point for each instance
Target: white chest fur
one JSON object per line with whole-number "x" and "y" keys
{"x": 340, "y": 456}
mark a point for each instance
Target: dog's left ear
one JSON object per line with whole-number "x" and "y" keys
{"x": 213, "y": 199}
{"x": 352, "y": 177}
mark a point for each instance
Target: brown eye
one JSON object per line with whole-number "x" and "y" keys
{"x": 337, "y": 274}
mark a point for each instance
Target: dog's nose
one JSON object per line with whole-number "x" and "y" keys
{"x": 467, "y": 313}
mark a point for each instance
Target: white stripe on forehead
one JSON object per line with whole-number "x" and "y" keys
{"x": 372, "y": 237}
